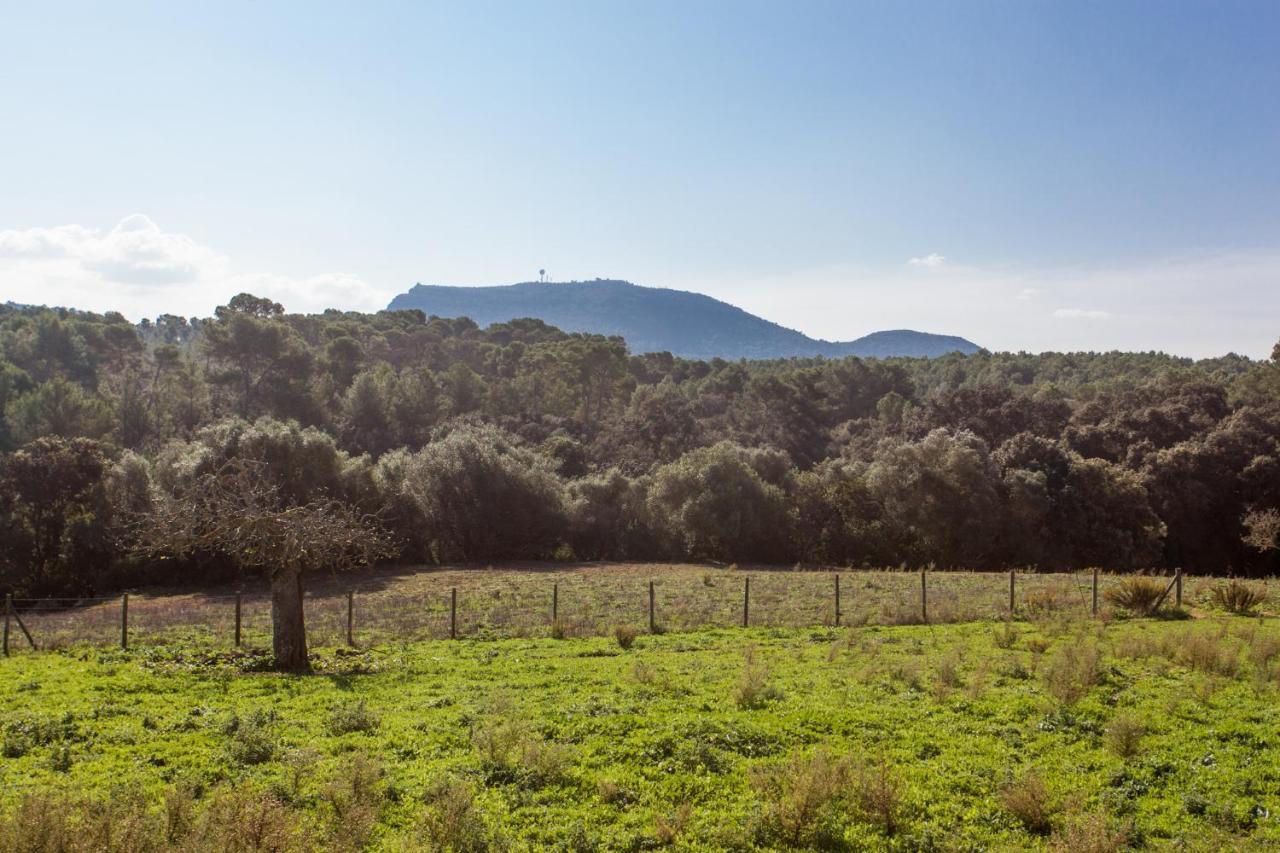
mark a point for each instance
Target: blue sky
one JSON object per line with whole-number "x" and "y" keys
{"x": 1030, "y": 175}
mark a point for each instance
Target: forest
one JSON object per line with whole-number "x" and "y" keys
{"x": 519, "y": 441}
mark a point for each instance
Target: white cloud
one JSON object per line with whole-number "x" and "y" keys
{"x": 1082, "y": 314}
{"x": 1029, "y": 293}
{"x": 142, "y": 270}
{"x": 931, "y": 261}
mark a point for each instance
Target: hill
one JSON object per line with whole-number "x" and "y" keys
{"x": 653, "y": 319}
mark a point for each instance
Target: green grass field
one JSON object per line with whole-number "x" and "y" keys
{"x": 1062, "y": 733}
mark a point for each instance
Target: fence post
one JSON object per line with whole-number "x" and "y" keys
{"x": 1177, "y": 590}
{"x": 453, "y": 614}
{"x": 555, "y": 603}
{"x": 351, "y": 617}
{"x": 1095, "y": 592}
{"x": 652, "y": 622}
{"x": 239, "y": 606}
{"x": 837, "y": 601}
{"x": 124, "y": 621}
{"x": 1012, "y": 599}
{"x": 746, "y": 601}
{"x": 8, "y": 608}
{"x": 924, "y": 597}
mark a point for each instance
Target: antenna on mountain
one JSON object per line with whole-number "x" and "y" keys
{"x": 542, "y": 274}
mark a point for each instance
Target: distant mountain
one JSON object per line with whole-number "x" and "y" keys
{"x": 653, "y": 319}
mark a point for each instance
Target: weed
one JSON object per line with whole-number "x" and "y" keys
{"x": 558, "y": 630}
{"x": 1027, "y": 799}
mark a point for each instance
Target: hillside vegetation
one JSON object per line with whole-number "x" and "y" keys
{"x": 521, "y": 441}
{"x": 690, "y": 325}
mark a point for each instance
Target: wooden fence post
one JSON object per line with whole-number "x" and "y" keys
{"x": 453, "y": 614}
{"x": 837, "y": 601}
{"x": 555, "y": 603}
{"x": 924, "y": 597}
{"x": 239, "y": 607}
{"x": 652, "y": 622}
{"x": 746, "y": 601}
{"x": 1177, "y": 590}
{"x": 1095, "y": 592}
{"x": 8, "y": 608}
{"x": 1013, "y": 606}
{"x": 351, "y": 617}
{"x": 124, "y": 621}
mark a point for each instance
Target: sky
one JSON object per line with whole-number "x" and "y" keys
{"x": 1030, "y": 175}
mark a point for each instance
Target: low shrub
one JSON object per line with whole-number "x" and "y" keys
{"x": 452, "y": 821}
{"x": 801, "y": 798}
{"x": 1237, "y": 596}
{"x": 1027, "y": 799}
{"x": 880, "y": 797}
{"x": 1124, "y": 735}
{"x": 351, "y": 717}
{"x": 625, "y": 635}
{"x": 1136, "y": 593}
{"x": 1072, "y": 671}
{"x": 753, "y": 689}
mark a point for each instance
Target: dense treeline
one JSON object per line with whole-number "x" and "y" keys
{"x": 521, "y": 441}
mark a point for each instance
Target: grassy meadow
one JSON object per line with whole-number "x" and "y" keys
{"x": 1060, "y": 732}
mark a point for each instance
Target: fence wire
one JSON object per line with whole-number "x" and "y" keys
{"x": 497, "y": 603}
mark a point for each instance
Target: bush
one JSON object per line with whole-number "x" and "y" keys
{"x": 352, "y": 717}
{"x": 1124, "y": 736}
{"x": 880, "y": 796}
{"x": 1072, "y": 672}
{"x": 452, "y": 820}
{"x": 1136, "y": 593}
{"x": 1237, "y": 596}
{"x": 753, "y": 688}
{"x": 625, "y": 635}
{"x": 1027, "y": 799}
{"x": 801, "y": 797}
{"x": 252, "y": 738}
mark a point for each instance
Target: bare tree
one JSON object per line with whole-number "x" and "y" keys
{"x": 237, "y": 512}
{"x": 1263, "y": 527}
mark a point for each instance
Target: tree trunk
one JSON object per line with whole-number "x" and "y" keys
{"x": 288, "y": 631}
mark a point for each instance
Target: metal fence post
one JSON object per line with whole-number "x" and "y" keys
{"x": 746, "y": 601}
{"x": 1095, "y": 592}
{"x": 652, "y": 620}
{"x": 124, "y": 621}
{"x": 8, "y": 608}
{"x": 239, "y": 607}
{"x": 453, "y": 614}
{"x": 1012, "y": 600}
{"x": 555, "y": 603}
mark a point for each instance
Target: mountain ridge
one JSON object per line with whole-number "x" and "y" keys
{"x": 654, "y": 319}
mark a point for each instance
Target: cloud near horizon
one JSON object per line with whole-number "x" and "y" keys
{"x": 141, "y": 270}
{"x": 930, "y": 261}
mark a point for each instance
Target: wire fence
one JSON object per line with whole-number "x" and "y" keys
{"x": 406, "y": 606}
